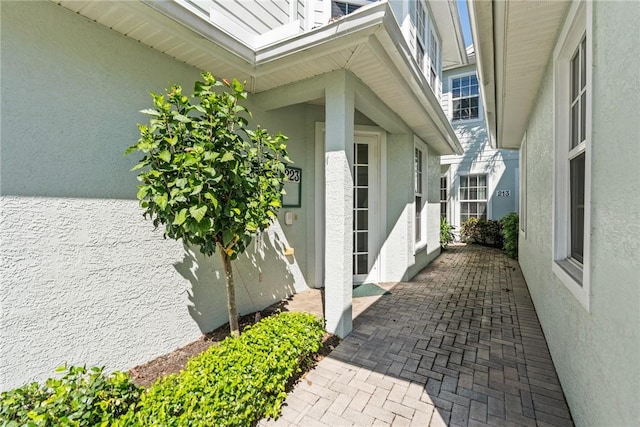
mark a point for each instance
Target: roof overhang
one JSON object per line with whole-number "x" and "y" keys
{"x": 513, "y": 42}
{"x": 368, "y": 43}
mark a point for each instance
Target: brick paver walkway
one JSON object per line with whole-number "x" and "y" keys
{"x": 459, "y": 345}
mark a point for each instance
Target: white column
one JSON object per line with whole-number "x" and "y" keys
{"x": 338, "y": 270}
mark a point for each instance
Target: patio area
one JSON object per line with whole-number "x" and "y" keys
{"x": 459, "y": 345}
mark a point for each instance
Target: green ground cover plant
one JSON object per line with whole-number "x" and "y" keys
{"x": 81, "y": 397}
{"x": 236, "y": 383}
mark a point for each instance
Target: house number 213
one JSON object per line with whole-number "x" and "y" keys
{"x": 504, "y": 193}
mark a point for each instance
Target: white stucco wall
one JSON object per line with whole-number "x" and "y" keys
{"x": 595, "y": 352}
{"x": 85, "y": 279}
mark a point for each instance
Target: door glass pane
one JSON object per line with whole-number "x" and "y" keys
{"x": 362, "y": 197}
{"x": 362, "y": 241}
{"x": 362, "y": 176}
{"x": 361, "y": 264}
{"x": 362, "y": 154}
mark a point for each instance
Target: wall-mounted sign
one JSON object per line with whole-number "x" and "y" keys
{"x": 293, "y": 188}
{"x": 503, "y": 193}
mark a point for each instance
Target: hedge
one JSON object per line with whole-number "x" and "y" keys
{"x": 235, "y": 383}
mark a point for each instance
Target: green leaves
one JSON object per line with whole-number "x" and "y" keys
{"x": 80, "y": 397}
{"x": 198, "y": 212}
{"x": 235, "y": 383}
{"x": 204, "y": 177}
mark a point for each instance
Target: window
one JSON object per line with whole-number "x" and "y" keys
{"x": 418, "y": 175}
{"x": 523, "y": 185}
{"x": 572, "y": 152}
{"x": 427, "y": 45}
{"x": 473, "y": 197}
{"x": 420, "y": 30}
{"x": 341, "y": 8}
{"x": 465, "y": 98}
{"x": 443, "y": 197}
{"x": 434, "y": 54}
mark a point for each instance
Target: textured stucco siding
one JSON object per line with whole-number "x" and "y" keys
{"x": 85, "y": 279}
{"x": 424, "y": 256}
{"x": 595, "y": 352}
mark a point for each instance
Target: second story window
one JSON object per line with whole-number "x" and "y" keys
{"x": 342, "y": 8}
{"x": 465, "y": 98}
{"x": 434, "y": 54}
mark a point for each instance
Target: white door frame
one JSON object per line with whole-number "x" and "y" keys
{"x": 378, "y": 230}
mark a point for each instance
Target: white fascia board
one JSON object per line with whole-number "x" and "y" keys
{"x": 349, "y": 31}
{"x": 481, "y": 20}
{"x": 184, "y": 14}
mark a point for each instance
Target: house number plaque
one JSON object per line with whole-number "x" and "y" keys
{"x": 293, "y": 188}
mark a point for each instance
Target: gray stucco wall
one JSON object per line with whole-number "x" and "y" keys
{"x": 595, "y": 352}
{"x": 85, "y": 279}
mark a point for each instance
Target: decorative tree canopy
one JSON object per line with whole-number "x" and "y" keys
{"x": 207, "y": 179}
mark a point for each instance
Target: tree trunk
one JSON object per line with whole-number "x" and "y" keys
{"x": 231, "y": 293}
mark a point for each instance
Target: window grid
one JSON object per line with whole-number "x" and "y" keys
{"x": 577, "y": 148}
{"x": 465, "y": 98}
{"x": 361, "y": 209}
{"x": 433, "y": 54}
{"x": 473, "y": 197}
{"x": 418, "y": 172}
{"x": 443, "y": 197}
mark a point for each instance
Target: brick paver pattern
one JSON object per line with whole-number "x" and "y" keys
{"x": 458, "y": 345}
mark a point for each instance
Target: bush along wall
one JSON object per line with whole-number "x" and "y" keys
{"x": 510, "y": 225}
{"x": 81, "y": 397}
{"x": 236, "y": 383}
{"x": 499, "y": 234}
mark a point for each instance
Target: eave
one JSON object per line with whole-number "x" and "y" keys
{"x": 514, "y": 41}
{"x": 368, "y": 43}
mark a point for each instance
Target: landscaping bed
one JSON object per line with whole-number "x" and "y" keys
{"x": 235, "y": 381}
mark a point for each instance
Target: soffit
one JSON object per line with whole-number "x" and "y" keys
{"x": 515, "y": 42}
{"x": 368, "y": 44}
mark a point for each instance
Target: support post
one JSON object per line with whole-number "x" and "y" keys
{"x": 338, "y": 250}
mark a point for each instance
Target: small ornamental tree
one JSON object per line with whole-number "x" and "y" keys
{"x": 206, "y": 178}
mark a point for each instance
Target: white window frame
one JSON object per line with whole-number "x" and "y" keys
{"x": 467, "y": 200}
{"x": 426, "y": 34}
{"x": 522, "y": 209}
{"x": 420, "y": 242}
{"x": 480, "y": 108}
{"x": 574, "y": 276}
{"x": 444, "y": 177}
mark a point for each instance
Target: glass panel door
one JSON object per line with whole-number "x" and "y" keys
{"x": 365, "y": 207}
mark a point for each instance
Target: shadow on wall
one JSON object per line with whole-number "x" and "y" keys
{"x": 263, "y": 275}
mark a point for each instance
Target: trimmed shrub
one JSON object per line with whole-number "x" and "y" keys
{"x": 80, "y": 398}
{"x": 482, "y": 231}
{"x": 510, "y": 223}
{"x": 236, "y": 383}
